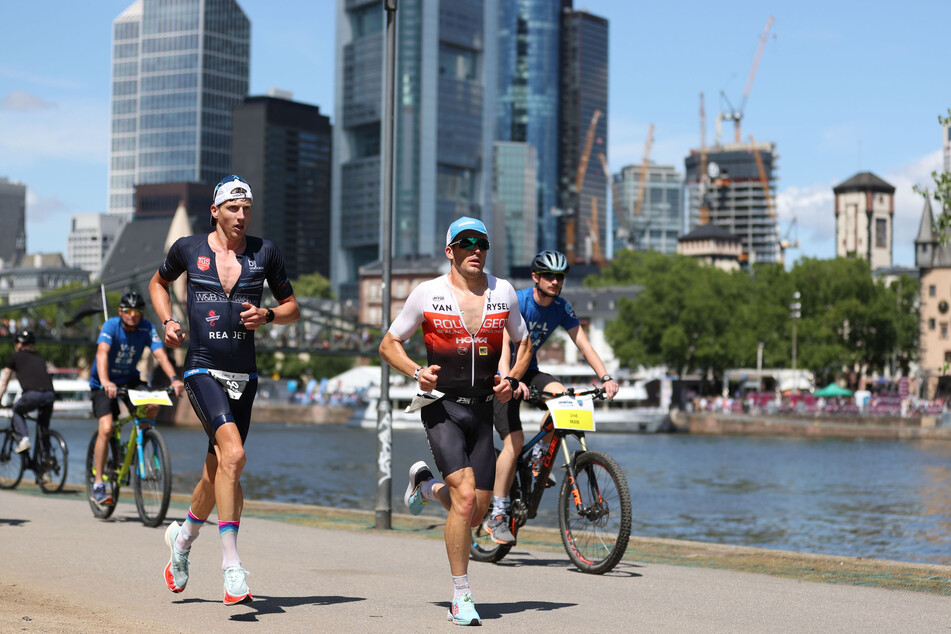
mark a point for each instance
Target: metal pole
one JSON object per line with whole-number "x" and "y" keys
{"x": 384, "y": 413}
{"x": 795, "y": 307}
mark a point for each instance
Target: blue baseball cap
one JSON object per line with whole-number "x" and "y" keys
{"x": 464, "y": 224}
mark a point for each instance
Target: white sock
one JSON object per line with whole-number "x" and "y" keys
{"x": 500, "y": 506}
{"x": 426, "y": 488}
{"x": 460, "y": 585}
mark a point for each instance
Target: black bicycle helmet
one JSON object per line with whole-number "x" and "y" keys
{"x": 132, "y": 300}
{"x": 26, "y": 337}
{"x": 550, "y": 262}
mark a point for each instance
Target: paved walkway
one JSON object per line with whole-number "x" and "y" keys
{"x": 317, "y": 569}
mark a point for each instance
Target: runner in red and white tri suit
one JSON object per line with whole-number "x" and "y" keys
{"x": 463, "y": 315}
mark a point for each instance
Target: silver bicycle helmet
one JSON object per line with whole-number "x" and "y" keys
{"x": 550, "y": 262}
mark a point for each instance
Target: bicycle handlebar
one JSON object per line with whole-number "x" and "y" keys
{"x": 537, "y": 396}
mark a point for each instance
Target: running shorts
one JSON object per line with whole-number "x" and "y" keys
{"x": 210, "y": 401}
{"x": 460, "y": 436}
{"x": 506, "y": 416}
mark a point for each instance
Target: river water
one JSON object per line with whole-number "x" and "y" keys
{"x": 879, "y": 499}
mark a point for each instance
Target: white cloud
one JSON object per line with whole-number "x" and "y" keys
{"x": 22, "y": 100}
{"x": 76, "y": 130}
{"x": 813, "y": 208}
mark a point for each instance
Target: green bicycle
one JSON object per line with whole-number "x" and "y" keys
{"x": 144, "y": 460}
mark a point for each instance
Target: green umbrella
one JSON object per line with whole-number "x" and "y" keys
{"x": 832, "y": 390}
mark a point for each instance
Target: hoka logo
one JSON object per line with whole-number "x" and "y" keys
{"x": 472, "y": 340}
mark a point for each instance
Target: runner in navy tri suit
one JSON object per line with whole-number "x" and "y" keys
{"x": 226, "y": 271}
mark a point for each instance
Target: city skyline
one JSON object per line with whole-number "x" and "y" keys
{"x": 838, "y": 93}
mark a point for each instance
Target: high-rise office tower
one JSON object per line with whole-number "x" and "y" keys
{"x": 282, "y": 148}
{"x": 514, "y": 206}
{"x": 445, "y": 95}
{"x": 584, "y": 135}
{"x": 658, "y": 222}
{"x": 738, "y": 195}
{"x": 13, "y": 221}
{"x": 178, "y": 69}
{"x": 529, "y": 57}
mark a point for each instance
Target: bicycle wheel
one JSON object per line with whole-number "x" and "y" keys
{"x": 596, "y": 530}
{"x": 152, "y": 480}
{"x": 109, "y": 477}
{"x": 12, "y": 464}
{"x": 51, "y": 470}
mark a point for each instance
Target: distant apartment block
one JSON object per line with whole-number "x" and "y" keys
{"x": 178, "y": 69}
{"x": 514, "y": 206}
{"x": 90, "y": 238}
{"x": 864, "y": 215}
{"x": 13, "y": 221}
{"x": 282, "y": 148}
{"x": 35, "y": 274}
{"x": 738, "y": 196}
{"x": 657, "y": 222}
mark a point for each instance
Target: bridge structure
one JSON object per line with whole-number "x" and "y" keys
{"x": 73, "y": 316}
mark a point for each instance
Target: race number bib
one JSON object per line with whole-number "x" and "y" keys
{"x": 144, "y": 397}
{"x": 234, "y": 382}
{"x": 572, "y": 412}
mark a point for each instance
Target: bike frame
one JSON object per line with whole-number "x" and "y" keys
{"x": 134, "y": 444}
{"x": 559, "y": 439}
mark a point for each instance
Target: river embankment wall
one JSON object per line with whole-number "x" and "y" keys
{"x": 902, "y": 428}
{"x": 266, "y": 411}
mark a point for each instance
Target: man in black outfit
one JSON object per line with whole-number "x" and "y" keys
{"x": 36, "y": 387}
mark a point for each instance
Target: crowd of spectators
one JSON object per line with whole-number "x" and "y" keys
{"x": 804, "y": 403}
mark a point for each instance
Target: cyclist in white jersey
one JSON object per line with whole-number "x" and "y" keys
{"x": 463, "y": 315}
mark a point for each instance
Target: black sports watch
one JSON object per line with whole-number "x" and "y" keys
{"x": 512, "y": 381}
{"x": 269, "y": 317}
{"x": 606, "y": 378}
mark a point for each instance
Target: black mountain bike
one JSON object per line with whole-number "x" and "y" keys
{"x": 49, "y": 458}
{"x": 594, "y": 505}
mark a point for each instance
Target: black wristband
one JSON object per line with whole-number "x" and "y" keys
{"x": 269, "y": 317}
{"x": 174, "y": 377}
{"x": 512, "y": 381}
{"x": 171, "y": 319}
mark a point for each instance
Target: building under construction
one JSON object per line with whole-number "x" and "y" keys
{"x": 736, "y": 192}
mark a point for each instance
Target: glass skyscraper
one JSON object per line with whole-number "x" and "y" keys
{"x": 178, "y": 69}
{"x": 527, "y": 110}
{"x": 444, "y": 121}
{"x": 514, "y": 206}
{"x": 661, "y": 219}
{"x": 584, "y": 100}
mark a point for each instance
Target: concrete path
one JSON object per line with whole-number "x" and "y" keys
{"x": 64, "y": 571}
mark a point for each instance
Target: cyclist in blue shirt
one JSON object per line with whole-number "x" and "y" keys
{"x": 544, "y": 311}
{"x": 118, "y": 349}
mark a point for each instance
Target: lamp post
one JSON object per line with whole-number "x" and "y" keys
{"x": 795, "y": 312}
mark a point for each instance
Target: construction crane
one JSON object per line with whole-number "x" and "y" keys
{"x": 736, "y": 114}
{"x": 642, "y": 182}
{"x": 703, "y": 180}
{"x": 579, "y": 182}
{"x": 597, "y": 256}
{"x": 786, "y": 243}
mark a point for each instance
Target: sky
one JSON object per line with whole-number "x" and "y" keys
{"x": 842, "y": 87}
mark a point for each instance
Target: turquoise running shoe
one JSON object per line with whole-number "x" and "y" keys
{"x": 463, "y": 611}
{"x": 419, "y": 474}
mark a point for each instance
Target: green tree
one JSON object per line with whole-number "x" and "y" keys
{"x": 693, "y": 318}
{"x": 941, "y": 193}
{"x": 312, "y": 285}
